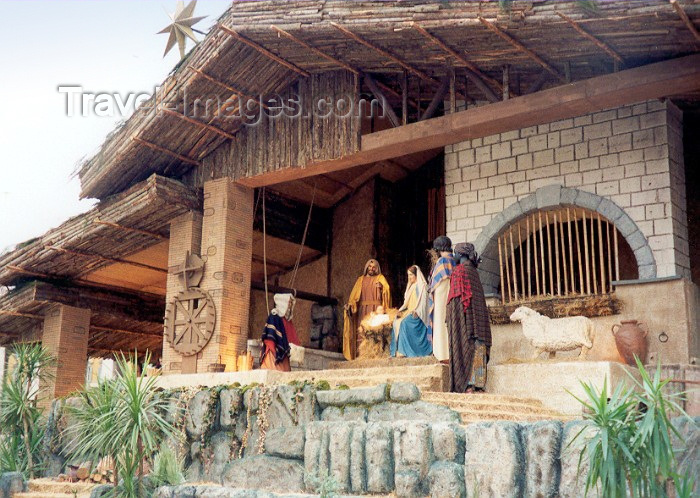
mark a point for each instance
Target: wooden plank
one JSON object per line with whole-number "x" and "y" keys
{"x": 549, "y": 254}
{"x": 594, "y": 273}
{"x": 617, "y": 259}
{"x": 535, "y": 254}
{"x": 542, "y": 263}
{"x": 582, "y": 97}
{"x": 505, "y": 250}
{"x": 502, "y": 270}
{"x": 522, "y": 263}
{"x": 571, "y": 250}
{"x": 585, "y": 253}
{"x": 529, "y": 277}
{"x": 602, "y": 256}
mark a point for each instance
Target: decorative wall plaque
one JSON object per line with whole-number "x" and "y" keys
{"x": 189, "y": 321}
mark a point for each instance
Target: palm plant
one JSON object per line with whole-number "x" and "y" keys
{"x": 631, "y": 450}
{"x": 122, "y": 418}
{"x": 20, "y": 414}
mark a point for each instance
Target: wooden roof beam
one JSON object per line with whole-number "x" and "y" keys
{"x": 205, "y": 126}
{"x": 437, "y": 98}
{"x": 681, "y": 13}
{"x": 599, "y": 43}
{"x": 228, "y": 87}
{"x": 629, "y": 86}
{"x": 130, "y": 229}
{"x": 21, "y": 315}
{"x": 391, "y": 114}
{"x": 168, "y": 152}
{"x": 474, "y": 73}
{"x": 532, "y": 55}
{"x": 123, "y": 331}
{"x": 263, "y": 51}
{"x": 105, "y": 258}
{"x": 388, "y": 55}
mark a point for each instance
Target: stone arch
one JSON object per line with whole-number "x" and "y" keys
{"x": 557, "y": 196}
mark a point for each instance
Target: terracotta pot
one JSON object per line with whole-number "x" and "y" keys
{"x": 631, "y": 340}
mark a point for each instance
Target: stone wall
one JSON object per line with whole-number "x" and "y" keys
{"x": 632, "y": 155}
{"x": 376, "y": 440}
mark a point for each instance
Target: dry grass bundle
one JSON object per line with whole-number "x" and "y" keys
{"x": 374, "y": 340}
{"x": 559, "y": 307}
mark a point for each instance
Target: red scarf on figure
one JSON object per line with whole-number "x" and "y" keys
{"x": 460, "y": 287}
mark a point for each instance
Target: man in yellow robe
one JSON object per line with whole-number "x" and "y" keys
{"x": 370, "y": 291}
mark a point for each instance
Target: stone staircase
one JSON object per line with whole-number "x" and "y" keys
{"x": 484, "y": 407}
{"x": 426, "y": 373}
{"x": 48, "y": 488}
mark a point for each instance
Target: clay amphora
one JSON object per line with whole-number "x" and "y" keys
{"x": 631, "y": 340}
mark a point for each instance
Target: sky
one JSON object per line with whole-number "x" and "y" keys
{"x": 101, "y": 45}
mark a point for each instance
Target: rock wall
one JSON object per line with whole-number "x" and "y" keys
{"x": 375, "y": 440}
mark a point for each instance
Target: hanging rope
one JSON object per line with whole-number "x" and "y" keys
{"x": 267, "y": 299}
{"x": 303, "y": 241}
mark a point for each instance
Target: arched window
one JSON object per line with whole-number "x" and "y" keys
{"x": 566, "y": 251}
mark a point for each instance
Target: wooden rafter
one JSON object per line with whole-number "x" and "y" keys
{"x": 336, "y": 61}
{"x": 391, "y": 114}
{"x": 532, "y": 55}
{"x": 263, "y": 50}
{"x": 316, "y": 51}
{"x": 386, "y": 54}
{"x": 474, "y": 74}
{"x": 241, "y": 95}
{"x": 682, "y": 14}
{"x": 105, "y": 258}
{"x": 157, "y": 147}
{"x": 130, "y": 229}
{"x": 123, "y": 331}
{"x": 195, "y": 122}
{"x": 21, "y": 315}
{"x": 539, "y": 82}
{"x": 601, "y": 44}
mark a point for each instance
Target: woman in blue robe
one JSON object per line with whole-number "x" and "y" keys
{"x": 411, "y": 334}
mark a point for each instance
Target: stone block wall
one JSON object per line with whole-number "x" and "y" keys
{"x": 632, "y": 155}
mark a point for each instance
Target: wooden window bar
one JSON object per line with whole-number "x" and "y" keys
{"x": 562, "y": 252}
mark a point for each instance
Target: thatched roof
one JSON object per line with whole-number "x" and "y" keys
{"x": 261, "y": 47}
{"x": 116, "y": 228}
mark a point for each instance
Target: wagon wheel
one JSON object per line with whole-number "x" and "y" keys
{"x": 189, "y": 321}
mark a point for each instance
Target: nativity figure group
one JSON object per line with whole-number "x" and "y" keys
{"x": 446, "y": 317}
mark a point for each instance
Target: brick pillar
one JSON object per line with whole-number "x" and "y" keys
{"x": 227, "y": 239}
{"x": 65, "y": 336}
{"x": 185, "y": 235}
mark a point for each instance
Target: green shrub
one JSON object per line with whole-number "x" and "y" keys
{"x": 630, "y": 452}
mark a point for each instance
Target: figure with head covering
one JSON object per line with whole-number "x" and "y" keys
{"x": 468, "y": 323}
{"x": 439, "y": 288}
{"x": 411, "y": 332}
{"x": 370, "y": 291}
{"x": 279, "y": 332}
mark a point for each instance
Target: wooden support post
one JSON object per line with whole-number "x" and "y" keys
{"x": 437, "y": 99}
{"x": 452, "y": 90}
{"x": 593, "y": 262}
{"x": 529, "y": 277}
{"x": 555, "y": 225}
{"x": 603, "y": 286}
{"x": 506, "y": 82}
{"x": 578, "y": 253}
{"x": 617, "y": 259}
{"x": 542, "y": 264}
{"x": 404, "y": 98}
{"x": 585, "y": 250}
{"x": 609, "y": 253}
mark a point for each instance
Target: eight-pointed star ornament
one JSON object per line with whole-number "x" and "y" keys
{"x": 181, "y": 27}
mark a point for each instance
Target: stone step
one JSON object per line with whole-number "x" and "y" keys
{"x": 51, "y": 488}
{"x": 429, "y": 377}
{"x": 483, "y": 407}
{"x": 382, "y": 362}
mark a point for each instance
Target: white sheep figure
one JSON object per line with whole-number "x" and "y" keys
{"x": 554, "y": 334}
